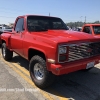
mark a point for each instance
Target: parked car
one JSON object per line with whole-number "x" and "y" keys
{"x": 3, "y": 31}
{"x": 7, "y": 30}
{"x": 1, "y": 28}
{"x": 0, "y": 37}
{"x": 79, "y": 29}
{"x": 50, "y": 47}
{"x": 93, "y": 29}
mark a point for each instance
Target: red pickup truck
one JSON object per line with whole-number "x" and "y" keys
{"x": 93, "y": 29}
{"x": 50, "y": 47}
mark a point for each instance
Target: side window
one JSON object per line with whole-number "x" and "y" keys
{"x": 87, "y": 29}
{"x": 19, "y": 25}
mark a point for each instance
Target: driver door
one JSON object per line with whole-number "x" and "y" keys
{"x": 17, "y": 36}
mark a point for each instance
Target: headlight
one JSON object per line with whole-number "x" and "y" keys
{"x": 62, "y": 50}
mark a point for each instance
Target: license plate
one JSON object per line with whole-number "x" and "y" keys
{"x": 90, "y": 65}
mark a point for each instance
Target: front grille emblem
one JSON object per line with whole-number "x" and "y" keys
{"x": 89, "y": 50}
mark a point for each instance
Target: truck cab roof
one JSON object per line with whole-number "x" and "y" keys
{"x": 92, "y": 25}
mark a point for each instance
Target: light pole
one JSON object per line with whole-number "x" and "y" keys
{"x": 49, "y": 14}
{"x": 81, "y": 18}
{"x": 85, "y": 19}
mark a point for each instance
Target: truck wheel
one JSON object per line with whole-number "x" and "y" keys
{"x": 6, "y": 53}
{"x": 88, "y": 69}
{"x": 39, "y": 73}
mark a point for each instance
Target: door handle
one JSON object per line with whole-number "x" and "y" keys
{"x": 21, "y": 34}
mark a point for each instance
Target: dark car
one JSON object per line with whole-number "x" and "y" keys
{"x": 5, "y": 30}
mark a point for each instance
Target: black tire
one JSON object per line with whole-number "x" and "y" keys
{"x": 6, "y": 53}
{"x": 86, "y": 70}
{"x": 0, "y": 45}
{"x": 47, "y": 79}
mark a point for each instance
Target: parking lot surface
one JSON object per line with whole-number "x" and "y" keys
{"x": 15, "y": 83}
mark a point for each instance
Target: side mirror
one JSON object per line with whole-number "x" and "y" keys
{"x": 17, "y": 30}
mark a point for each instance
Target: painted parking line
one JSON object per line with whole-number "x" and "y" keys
{"x": 24, "y": 73}
{"x": 27, "y": 79}
{"x": 27, "y": 73}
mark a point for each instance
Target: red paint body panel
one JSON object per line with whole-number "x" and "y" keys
{"x": 47, "y": 42}
{"x": 66, "y": 68}
{"x": 0, "y": 39}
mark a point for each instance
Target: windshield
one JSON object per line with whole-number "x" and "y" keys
{"x": 96, "y": 29}
{"x": 41, "y": 23}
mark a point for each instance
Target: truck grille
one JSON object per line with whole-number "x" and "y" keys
{"x": 83, "y": 50}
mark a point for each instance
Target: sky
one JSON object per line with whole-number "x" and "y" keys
{"x": 67, "y": 10}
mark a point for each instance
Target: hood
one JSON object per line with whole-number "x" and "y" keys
{"x": 66, "y": 36}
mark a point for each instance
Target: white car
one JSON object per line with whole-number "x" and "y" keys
{"x": 3, "y": 29}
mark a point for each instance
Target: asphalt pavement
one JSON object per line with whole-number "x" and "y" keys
{"x": 14, "y": 87}
{"x": 16, "y": 84}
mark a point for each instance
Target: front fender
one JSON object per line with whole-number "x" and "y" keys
{"x": 6, "y": 37}
{"x": 41, "y": 50}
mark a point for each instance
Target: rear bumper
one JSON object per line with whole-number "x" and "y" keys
{"x": 59, "y": 69}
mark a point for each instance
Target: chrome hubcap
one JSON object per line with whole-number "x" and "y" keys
{"x": 38, "y": 71}
{"x": 4, "y": 52}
